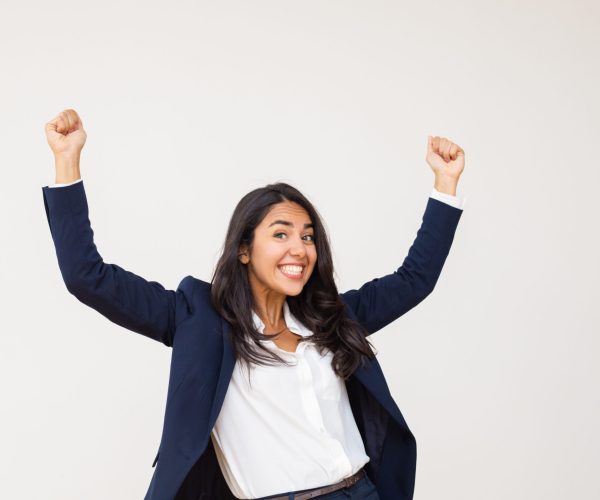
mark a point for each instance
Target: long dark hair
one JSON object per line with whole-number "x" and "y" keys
{"x": 318, "y": 306}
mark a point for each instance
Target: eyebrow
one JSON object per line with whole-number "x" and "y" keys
{"x": 288, "y": 223}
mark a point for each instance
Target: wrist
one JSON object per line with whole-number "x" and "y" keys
{"x": 446, "y": 185}
{"x": 67, "y": 168}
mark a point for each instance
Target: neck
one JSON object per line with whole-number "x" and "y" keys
{"x": 269, "y": 307}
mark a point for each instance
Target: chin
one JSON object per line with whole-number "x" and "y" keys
{"x": 293, "y": 289}
{"x": 295, "y": 292}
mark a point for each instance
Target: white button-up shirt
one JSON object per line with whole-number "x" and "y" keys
{"x": 291, "y": 428}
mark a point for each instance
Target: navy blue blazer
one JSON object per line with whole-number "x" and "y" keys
{"x": 202, "y": 360}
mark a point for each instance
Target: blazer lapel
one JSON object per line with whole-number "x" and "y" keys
{"x": 373, "y": 379}
{"x": 227, "y": 365}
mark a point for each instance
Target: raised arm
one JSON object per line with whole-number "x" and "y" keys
{"x": 382, "y": 300}
{"x": 123, "y": 297}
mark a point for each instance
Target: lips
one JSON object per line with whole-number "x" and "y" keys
{"x": 292, "y": 271}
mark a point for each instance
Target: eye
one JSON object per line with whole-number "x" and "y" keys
{"x": 311, "y": 236}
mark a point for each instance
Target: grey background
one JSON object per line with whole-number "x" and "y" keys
{"x": 189, "y": 105}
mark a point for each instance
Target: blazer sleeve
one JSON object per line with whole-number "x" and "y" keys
{"x": 142, "y": 306}
{"x": 382, "y": 300}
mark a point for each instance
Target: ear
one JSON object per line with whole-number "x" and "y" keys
{"x": 243, "y": 254}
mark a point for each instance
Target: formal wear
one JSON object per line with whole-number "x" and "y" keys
{"x": 298, "y": 416}
{"x": 287, "y": 428}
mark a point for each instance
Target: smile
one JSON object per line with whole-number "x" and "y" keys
{"x": 294, "y": 272}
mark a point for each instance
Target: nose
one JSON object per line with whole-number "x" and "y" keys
{"x": 297, "y": 247}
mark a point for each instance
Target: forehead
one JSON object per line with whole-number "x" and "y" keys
{"x": 287, "y": 211}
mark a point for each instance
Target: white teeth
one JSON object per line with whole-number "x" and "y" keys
{"x": 291, "y": 269}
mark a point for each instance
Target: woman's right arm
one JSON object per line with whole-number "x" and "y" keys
{"x": 123, "y": 297}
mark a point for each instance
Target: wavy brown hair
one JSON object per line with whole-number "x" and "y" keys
{"x": 318, "y": 307}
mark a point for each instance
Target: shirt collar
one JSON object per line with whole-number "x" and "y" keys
{"x": 290, "y": 320}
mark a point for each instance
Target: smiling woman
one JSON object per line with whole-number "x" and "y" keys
{"x": 315, "y": 418}
{"x": 276, "y": 250}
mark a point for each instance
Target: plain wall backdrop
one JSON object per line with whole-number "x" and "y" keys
{"x": 189, "y": 105}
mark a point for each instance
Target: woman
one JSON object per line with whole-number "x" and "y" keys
{"x": 274, "y": 390}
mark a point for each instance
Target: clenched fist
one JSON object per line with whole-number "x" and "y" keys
{"x": 445, "y": 158}
{"x": 65, "y": 134}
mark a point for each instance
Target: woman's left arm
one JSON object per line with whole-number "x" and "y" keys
{"x": 382, "y": 300}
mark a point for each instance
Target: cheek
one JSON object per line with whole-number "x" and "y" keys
{"x": 269, "y": 257}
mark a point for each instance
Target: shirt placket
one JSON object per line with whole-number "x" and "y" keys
{"x": 312, "y": 409}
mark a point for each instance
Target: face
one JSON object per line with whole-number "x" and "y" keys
{"x": 283, "y": 241}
